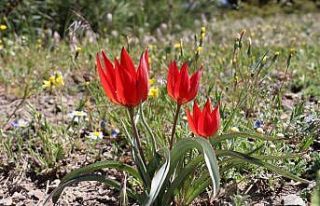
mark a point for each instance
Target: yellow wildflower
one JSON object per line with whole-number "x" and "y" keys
{"x": 59, "y": 80}
{"x": 292, "y": 51}
{"x": 199, "y": 49}
{"x": 264, "y": 59}
{"x": 203, "y": 35}
{"x": 177, "y": 45}
{"x": 151, "y": 81}
{"x": 78, "y": 49}
{"x": 55, "y": 80}
{"x": 46, "y": 84}
{"x": 203, "y": 29}
{"x": 154, "y": 92}
{"x": 3, "y": 27}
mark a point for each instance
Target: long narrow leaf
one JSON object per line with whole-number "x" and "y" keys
{"x": 243, "y": 135}
{"x": 101, "y": 165}
{"x": 55, "y": 194}
{"x": 199, "y": 186}
{"x": 158, "y": 180}
{"x": 177, "y": 183}
{"x": 252, "y": 160}
{"x": 202, "y": 145}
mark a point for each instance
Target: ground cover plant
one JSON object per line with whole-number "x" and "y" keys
{"x": 254, "y": 80}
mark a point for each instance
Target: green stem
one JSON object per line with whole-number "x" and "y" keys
{"x": 136, "y": 134}
{"x": 175, "y": 121}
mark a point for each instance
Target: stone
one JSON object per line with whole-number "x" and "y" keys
{"x": 293, "y": 200}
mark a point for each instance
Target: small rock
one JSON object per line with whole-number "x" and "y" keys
{"x": 38, "y": 194}
{"x": 293, "y": 200}
{"x": 18, "y": 196}
{"x": 6, "y": 201}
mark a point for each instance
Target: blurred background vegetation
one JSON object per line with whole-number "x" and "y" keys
{"x": 31, "y": 17}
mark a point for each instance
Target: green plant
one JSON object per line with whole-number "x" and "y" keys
{"x": 165, "y": 176}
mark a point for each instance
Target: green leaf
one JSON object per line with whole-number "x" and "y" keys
{"x": 177, "y": 183}
{"x": 101, "y": 165}
{"x": 204, "y": 146}
{"x": 158, "y": 180}
{"x": 242, "y": 135}
{"x": 55, "y": 194}
{"x": 138, "y": 159}
{"x": 198, "y": 187}
{"x": 154, "y": 163}
{"x": 252, "y": 160}
{"x": 146, "y": 125}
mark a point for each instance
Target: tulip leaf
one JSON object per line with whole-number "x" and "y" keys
{"x": 55, "y": 194}
{"x": 158, "y": 180}
{"x": 258, "y": 162}
{"x": 177, "y": 183}
{"x": 198, "y": 186}
{"x": 101, "y": 165}
{"x": 202, "y": 145}
{"x": 243, "y": 135}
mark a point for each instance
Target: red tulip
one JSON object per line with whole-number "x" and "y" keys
{"x": 204, "y": 123}
{"x": 121, "y": 81}
{"x": 180, "y": 86}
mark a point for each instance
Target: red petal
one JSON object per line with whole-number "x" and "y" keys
{"x": 143, "y": 78}
{"x": 205, "y": 121}
{"x": 194, "y": 85}
{"x": 126, "y": 62}
{"x": 196, "y": 113}
{"x": 184, "y": 84}
{"x": 126, "y": 85}
{"x": 207, "y": 106}
{"x": 191, "y": 122}
{"x": 215, "y": 115}
{"x": 173, "y": 75}
{"x": 107, "y": 85}
{"x": 110, "y": 73}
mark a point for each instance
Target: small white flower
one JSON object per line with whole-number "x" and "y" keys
{"x": 95, "y": 135}
{"x": 272, "y": 146}
{"x": 20, "y": 123}
{"x": 234, "y": 129}
{"x": 260, "y": 130}
{"x": 77, "y": 115}
{"x": 280, "y": 135}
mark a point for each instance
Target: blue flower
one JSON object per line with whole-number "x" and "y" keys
{"x": 115, "y": 132}
{"x": 258, "y": 124}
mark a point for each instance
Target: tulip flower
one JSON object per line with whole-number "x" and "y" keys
{"x": 180, "y": 86}
{"x": 204, "y": 123}
{"x": 121, "y": 81}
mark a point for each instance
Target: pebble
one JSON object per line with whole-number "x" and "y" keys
{"x": 293, "y": 200}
